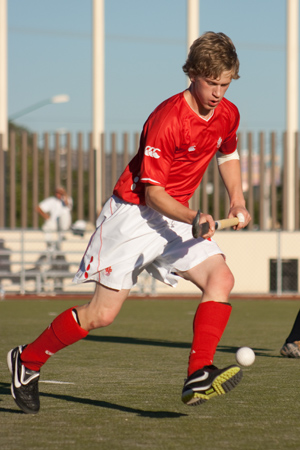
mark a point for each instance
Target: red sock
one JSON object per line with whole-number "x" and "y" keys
{"x": 209, "y": 324}
{"x": 63, "y": 331}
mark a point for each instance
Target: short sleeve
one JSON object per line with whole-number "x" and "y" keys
{"x": 158, "y": 144}
{"x": 229, "y": 144}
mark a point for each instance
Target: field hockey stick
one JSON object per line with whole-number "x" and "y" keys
{"x": 200, "y": 229}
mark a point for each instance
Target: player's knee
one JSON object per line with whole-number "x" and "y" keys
{"x": 221, "y": 281}
{"x": 101, "y": 320}
{"x": 230, "y": 281}
{"x": 227, "y": 280}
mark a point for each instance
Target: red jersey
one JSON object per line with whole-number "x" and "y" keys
{"x": 176, "y": 146}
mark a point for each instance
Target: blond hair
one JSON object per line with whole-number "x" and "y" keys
{"x": 210, "y": 55}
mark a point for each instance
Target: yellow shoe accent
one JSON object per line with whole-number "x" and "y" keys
{"x": 221, "y": 385}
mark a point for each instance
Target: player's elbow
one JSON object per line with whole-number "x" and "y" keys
{"x": 152, "y": 195}
{"x": 148, "y": 198}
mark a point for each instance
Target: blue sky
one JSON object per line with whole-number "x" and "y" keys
{"x": 50, "y": 52}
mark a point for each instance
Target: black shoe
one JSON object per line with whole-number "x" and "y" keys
{"x": 209, "y": 382}
{"x": 291, "y": 350}
{"x": 24, "y": 386}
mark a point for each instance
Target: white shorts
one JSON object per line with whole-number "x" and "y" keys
{"x": 65, "y": 220}
{"x": 130, "y": 238}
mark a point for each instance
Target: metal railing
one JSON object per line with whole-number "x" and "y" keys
{"x": 31, "y": 168}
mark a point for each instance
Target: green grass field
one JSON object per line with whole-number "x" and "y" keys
{"x": 120, "y": 388}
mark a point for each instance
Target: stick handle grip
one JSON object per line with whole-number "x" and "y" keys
{"x": 201, "y": 229}
{"x": 226, "y": 223}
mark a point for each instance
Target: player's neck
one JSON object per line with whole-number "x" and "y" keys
{"x": 196, "y": 107}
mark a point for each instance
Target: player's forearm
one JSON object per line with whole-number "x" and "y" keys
{"x": 44, "y": 215}
{"x": 159, "y": 200}
{"x": 230, "y": 172}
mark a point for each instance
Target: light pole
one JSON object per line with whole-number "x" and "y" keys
{"x": 62, "y": 98}
{"x": 292, "y": 103}
{"x": 193, "y": 20}
{"x": 98, "y": 94}
{"x": 3, "y": 73}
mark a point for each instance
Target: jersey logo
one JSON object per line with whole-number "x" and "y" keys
{"x": 219, "y": 142}
{"x": 108, "y": 270}
{"x": 192, "y": 148}
{"x": 151, "y": 151}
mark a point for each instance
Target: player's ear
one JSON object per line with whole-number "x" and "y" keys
{"x": 192, "y": 76}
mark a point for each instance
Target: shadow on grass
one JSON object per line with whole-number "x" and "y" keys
{"x": 172, "y": 344}
{"x": 5, "y": 390}
{"x": 258, "y": 351}
{"x": 137, "y": 341}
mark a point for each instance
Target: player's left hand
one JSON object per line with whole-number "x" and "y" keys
{"x": 243, "y": 215}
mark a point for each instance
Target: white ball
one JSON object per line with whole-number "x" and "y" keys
{"x": 245, "y": 356}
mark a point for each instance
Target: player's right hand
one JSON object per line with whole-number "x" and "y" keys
{"x": 208, "y": 218}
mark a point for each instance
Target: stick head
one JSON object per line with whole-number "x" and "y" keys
{"x": 198, "y": 229}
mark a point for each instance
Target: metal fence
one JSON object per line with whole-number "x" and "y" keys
{"x": 33, "y": 165}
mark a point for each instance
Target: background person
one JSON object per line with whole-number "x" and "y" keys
{"x": 56, "y": 211}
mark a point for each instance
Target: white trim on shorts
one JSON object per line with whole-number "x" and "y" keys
{"x": 130, "y": 238}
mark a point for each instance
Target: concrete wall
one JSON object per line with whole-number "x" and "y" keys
{"x": 247, "y": 253}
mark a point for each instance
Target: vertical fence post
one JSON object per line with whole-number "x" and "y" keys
{"x": 250, "y": 180}
{"x": 216, "y": 190}
{"x": 2, "y": 184}
{"x": 80, "y": 214}
{"x": 297, "y": 181}
{"x": 262, "y": 203}
{"x": 57, "y": 160}
{"x": 91, "y": 187}
{"x": 69, "y": 187}
{"x": 12, "y": 186}
{"x": 136, "y": 141}
{"x": 22, "y": 278}
{"x": 24, "y": 184}
{"x": 35, "y": 181}
{"x": 273, "y": 181}
{"x": 103, "y": 173}
{"x": 125, "y": 150}
{"x": 284, "y": 183}
{"x": 195, "y": 200}
{"x": 113, "y": 154}
{"x": 46, "y": 174}
{"x": 279, "y": 264}
{"x": 204, "y": 197}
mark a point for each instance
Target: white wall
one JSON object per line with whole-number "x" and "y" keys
{"x": 247, "y": 253}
